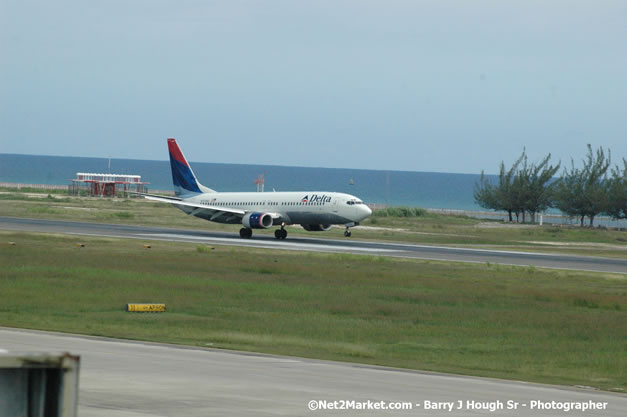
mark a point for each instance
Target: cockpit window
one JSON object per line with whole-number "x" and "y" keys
{"x": 353, "y": 202}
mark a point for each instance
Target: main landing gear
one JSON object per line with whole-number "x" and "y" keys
{"x": 280, "y": 234}
{"x": 245, "y": 233}
{"x": 347, "y": 232}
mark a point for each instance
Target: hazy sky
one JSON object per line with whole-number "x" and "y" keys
{"x": 445, "y": 86}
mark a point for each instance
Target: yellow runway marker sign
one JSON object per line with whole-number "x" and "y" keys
{"x": 145, "y": 308}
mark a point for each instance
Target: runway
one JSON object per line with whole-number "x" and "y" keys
{"x": 321, "y": 245}
{"x": 133, "y": 379}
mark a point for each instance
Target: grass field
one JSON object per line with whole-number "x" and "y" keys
{"x": 429, "y": 228}
{"x": 561, "y": 327}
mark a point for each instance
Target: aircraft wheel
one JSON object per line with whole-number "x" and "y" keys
{"x": 278, "y": 235}
{"x": 283, "y": 234}
{"x": 347, "y": 233}
{"x": 245, "y": 233}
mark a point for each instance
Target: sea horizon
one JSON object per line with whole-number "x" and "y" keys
{"x": 235, "y": 163}
{"x": 391, "y": 187}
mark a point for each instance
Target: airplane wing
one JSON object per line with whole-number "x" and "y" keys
{"x": 179, "y": 202}
{"x": 214, "y": 211}
{"x": 168, "y": 198}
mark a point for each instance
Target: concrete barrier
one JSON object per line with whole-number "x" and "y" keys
{"x": 38, "y": 384}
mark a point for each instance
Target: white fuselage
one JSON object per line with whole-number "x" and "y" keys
{"x": 296, "y": 207}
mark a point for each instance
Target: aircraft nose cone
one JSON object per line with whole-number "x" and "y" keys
{"x": 365, "y": 211}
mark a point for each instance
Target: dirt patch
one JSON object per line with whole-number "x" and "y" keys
{"x": 581, "y": 245}
{"x": 494, "y": 225}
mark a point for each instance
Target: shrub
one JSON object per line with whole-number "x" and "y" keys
{"x": 400, "y": 212}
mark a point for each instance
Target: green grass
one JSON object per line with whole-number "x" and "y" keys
{"x": 530, "y": 324}
{"x": 32, "y": 190}
{"x": 399, "y": 212}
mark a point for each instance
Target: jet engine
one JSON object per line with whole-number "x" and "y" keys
{"x": 257, "y": 220}
{"x": 317, "y": 227}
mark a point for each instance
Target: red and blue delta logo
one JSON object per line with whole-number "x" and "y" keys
{"x": 316, "y": 199}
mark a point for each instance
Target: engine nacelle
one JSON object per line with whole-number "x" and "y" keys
{"x": 317, "y": 227}
{"x": 257, "y": 220}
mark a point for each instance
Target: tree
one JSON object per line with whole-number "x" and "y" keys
{"x": 485, "y": 193}
{"x": 617, "y": 193}
{"x": 500, "y": 196}
{"x": 538, "y": 195}
{"x": 583, "y": 192}
{"x": 521, "y": 189}
{"x": 568, "y": 195}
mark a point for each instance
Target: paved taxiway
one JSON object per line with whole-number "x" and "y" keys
{"x": 322, "y": 245}
{"x": 133, "y": 379}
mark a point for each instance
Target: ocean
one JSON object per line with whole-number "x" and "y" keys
{"x": 395, "y": 188}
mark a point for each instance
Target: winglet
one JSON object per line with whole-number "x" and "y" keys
{"x": 183, "y": 177}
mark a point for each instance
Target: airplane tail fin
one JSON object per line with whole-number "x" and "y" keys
{"x": 183, "y": 177}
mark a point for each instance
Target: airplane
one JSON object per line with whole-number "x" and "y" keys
{"x": 314, "y": 210}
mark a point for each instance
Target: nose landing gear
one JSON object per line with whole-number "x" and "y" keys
{"x": 347, "y": 232}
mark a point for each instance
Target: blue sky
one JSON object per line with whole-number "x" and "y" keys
{"x": 443, "y": 85}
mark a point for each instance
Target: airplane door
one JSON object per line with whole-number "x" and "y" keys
{"x": 335, "y": 205}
